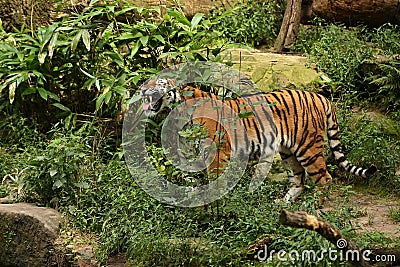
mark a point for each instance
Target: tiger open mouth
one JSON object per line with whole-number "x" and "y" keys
{"x": 152, "y": 102}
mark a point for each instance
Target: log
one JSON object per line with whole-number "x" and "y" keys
{"x": 301, "y": 219}
{"x": 352, "y": 12}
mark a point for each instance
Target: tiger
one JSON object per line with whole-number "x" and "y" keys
{"x": 293, "y": 123}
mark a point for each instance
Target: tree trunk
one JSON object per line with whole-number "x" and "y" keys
{"x": 370, "y": 12}
{"x": 290, "y": 26}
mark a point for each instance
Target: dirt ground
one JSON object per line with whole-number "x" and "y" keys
{"x": 373, "y": 210}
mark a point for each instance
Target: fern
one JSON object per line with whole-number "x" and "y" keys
{"x": 388, "y": 81}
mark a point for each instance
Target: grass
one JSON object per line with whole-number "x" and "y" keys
{"x": 125, "y": 219}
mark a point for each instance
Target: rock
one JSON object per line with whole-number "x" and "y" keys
{"x": 273, "y": 71}
{"x": 27, "y": 234}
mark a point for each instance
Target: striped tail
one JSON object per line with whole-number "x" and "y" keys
{"x": 336, "y": 148}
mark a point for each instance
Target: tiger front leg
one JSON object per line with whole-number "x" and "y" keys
{"x": 219, "y": 162}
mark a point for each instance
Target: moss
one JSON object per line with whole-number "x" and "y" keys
{"x": 273, "y": 71}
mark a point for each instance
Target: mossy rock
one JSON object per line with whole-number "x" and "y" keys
{"x": 272, "y": 71}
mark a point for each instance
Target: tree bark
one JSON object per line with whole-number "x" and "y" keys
{"x": 290, "y": 26}
{"x": 351, "y": 12}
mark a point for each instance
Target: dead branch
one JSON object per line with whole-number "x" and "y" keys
{"x": 301, "y": 219}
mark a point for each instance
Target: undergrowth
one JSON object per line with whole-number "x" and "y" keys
{"x": 76, "y": 166}
{"x": 102, "y": 197}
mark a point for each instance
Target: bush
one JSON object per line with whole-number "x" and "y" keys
{"x": 373, "y": 139}
{"x": 90, "y": 63}
{"x": 361, "y": 62}
{"x": 250, "y": 22}
{"x": 60, "y": 174}
{"x": 385, "y": 39}
{"x": 384, "y": 84}
{"x": 339, "y": 53}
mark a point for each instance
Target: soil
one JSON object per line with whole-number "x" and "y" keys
{"x": 373, "y": 210}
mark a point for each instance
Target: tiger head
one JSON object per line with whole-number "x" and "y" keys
{"x": 158, "y": 94}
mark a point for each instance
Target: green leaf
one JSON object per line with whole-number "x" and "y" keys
{"x": 180, "y": 17}
{"x": 135, "y": 49}
{"x": 134, "y": 99}
{"x": 29, "y": 90}
{"x": 58, "y": 184}
{"x": 42, "y": 57}
{"x": 117, "y": 58}
{"x": 87, "y": 73}
{"x": 107, "y": 97}
{"x": 11, "y": 91}
{"x": 52, "y": 44}
{"x": 43, "y": 93}
{"x": 75, "y": 41}
{"x": 144, "y": 40}
{"x": 243, "y": 114}
{"x": 62, "y": 107}
{"x": 53, "y": 96}
{"x": 159, "y": 38}
{"x": 100, "y": 99}
{"x": 48, "y": 35}
{"x": 157, "y": 9}
{"x": 83, "y": 185}
{"x": 129, "y": 36}
{"x": 86, "y": 38}
{"x": 195, "y": 20}
{"x": 187, "y": 93}
{"x": 53, "y": 172}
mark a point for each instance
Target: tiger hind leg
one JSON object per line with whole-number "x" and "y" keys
{"x": 296, "y": 174}
{"x": 315, "y": 167}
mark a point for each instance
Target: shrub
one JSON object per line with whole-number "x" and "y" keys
{"x": 90, "y": 63}
{"x": 382, "y": 83}
{"x": 339, "y": 53}
{"x": 62, "y": 172}
{"x": 372, "y": 139}
{"x": 250, "y": 22}
{"x": 385, "y": 39}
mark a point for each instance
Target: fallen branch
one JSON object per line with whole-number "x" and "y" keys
{"x": 301, "y": 219}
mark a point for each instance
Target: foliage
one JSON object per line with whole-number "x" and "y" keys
{"x": 387, "y": 82}
{"x": 102, "y": 197}
{"x": 379, "y": 136}
{"x": 385, "y": 39}
{"x": 61, "y": 173}
{"x": 89, "y": 63}
{"x": 339, "y": 53}
{"x": 250, "y": 22}
{"x": 360, "y": 62}
{"x": 395, "y": 214}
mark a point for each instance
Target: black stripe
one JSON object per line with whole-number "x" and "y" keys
{"x": 335, "y": 136}
{"x": 337, "y": 148}
{"x": 295, "y": 116}
{"x": 309, "y": 160}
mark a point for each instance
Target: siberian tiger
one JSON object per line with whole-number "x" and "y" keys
{"x": 291, "y": 122}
